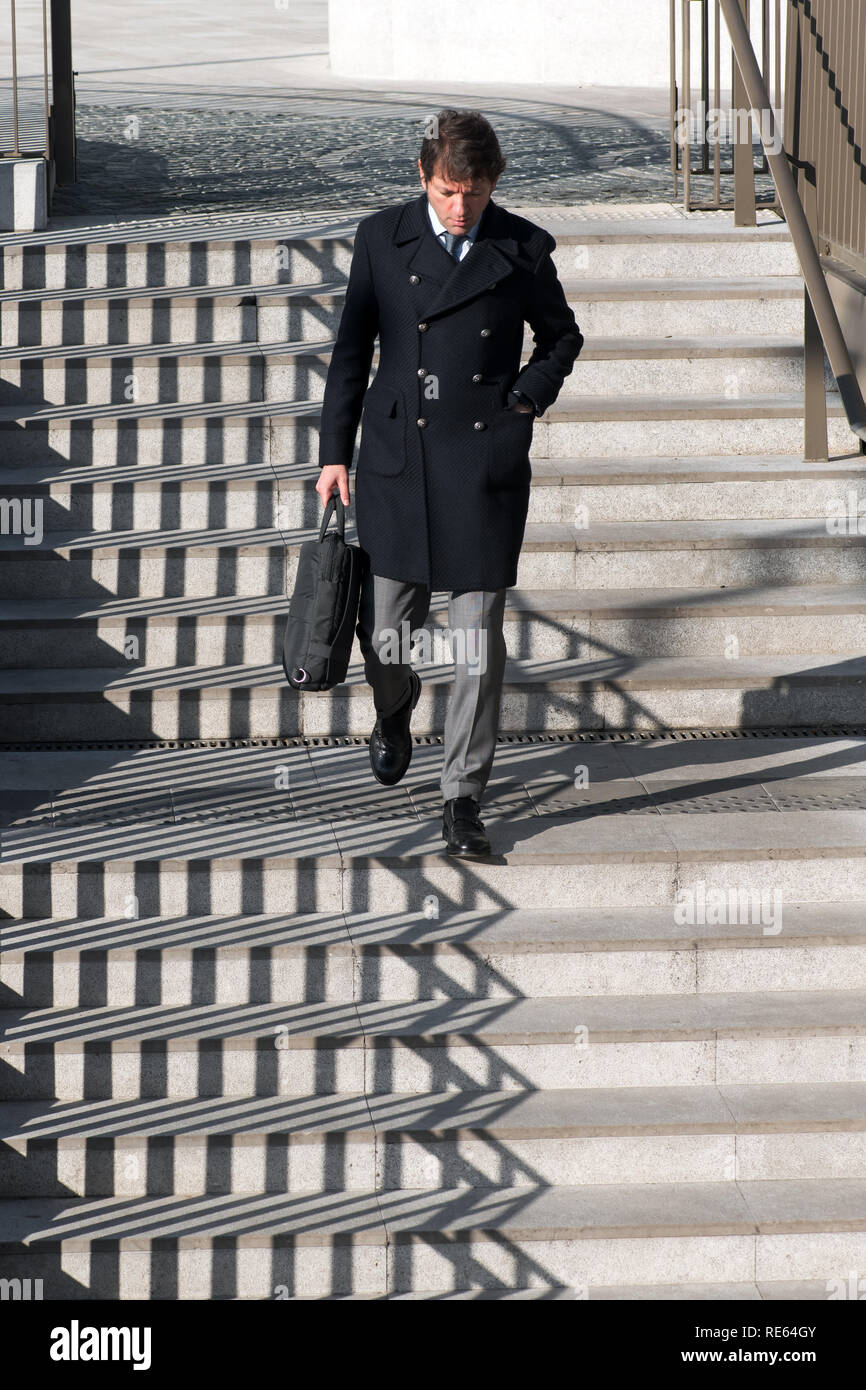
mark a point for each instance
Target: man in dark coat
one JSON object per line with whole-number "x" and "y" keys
{"x": 447, "y": 282}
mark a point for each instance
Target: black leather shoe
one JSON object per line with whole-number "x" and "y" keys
{"x": 462, "y": 828}
{"x": 390, "y": 741}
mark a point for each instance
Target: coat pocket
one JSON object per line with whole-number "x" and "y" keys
{"x": 383, "y": 431}
{"x": 510, "y": 438}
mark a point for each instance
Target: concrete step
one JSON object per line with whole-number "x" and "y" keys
{"x": 444, "y": 1240}
{"x": 423, "y": 1046}
{"x": 279, "y": 313}
{"x": 701, "y": 426}
{"x": 351, "y": 1143}
{"x": 283, "y": 432}
{"x": 253, "y": 492}
{"x": 72, "y": 375}
{"x": 221, "y": 256}
{"x": 141, "y": 564}
{"x": 642, "y": 306}
{"x": 535, "y": 954}
{"x": 796, "y": 1290}
{"x": 551, "y": 624}
{"x": 146, "y": 862}
{"x": 620, "y": 691}
{"x": 167, "y": 314}
{"x": 263, "y": 561}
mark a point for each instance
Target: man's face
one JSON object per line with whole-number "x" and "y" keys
{"x": 457, "y": 205}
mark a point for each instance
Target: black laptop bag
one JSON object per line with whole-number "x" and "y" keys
{"x": 323, "y": 609}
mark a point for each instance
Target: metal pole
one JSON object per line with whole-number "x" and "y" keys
{"x": 717, "y": 80}
{"x": 705, "y": 84}
{"x": 673, "y": 81}
{"x": 810, "y": 264}
{"x": 687, "y": 106}
{"x": 63, "y": 91}
{"x": 744, "y": 162}
{"x": 45, "y": 80}
{"x": 15, "y": 149}
{"x": 816, "y": 445}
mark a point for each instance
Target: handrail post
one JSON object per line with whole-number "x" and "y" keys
{"x": 686, "y": 101}
{"x": 45, "y": 96}
{"x": 816, "y": 443}
{"x": 64, "y": 94}
{"x": 15, "y": 147}
{"x": 745, "y": 214}
{"x": 672, "y": 56}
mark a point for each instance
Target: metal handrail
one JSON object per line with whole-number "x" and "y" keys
{"x": 810, "y": 264}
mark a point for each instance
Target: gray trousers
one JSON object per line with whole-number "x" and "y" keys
{"x": 475, "y": 618}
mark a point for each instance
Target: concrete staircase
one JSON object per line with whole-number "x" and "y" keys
{"x": 261, "y": 1039}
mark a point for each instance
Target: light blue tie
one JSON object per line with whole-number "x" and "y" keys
{"x": 453, "y": 244}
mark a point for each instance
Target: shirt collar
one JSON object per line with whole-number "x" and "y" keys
{"x": 439, "y": 227}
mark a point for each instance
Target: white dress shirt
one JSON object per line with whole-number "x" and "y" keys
{"x": 440, "y": 229}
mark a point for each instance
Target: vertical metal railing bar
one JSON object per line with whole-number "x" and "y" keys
{"x": 848, "y": 192}
{"x": 15, "y": 150}
{"x": 765, "y": 65}
{"x": 717, "y": 78}
{"x": 687, "y": 104}
{"x": 792, "y": 207}
{"x": 673, "y": 93}
{"x": 779, "y": 43}
{"x": 705, "y": 85}
{"x": 745, "y": 202}
{"x": 45, "y": 79}
{"x": 856, "y": 188}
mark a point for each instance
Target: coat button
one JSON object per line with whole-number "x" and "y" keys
{"x": 422, "y": 371}
{"x": 421, "y": 423}
{"x": 422, "y": 328}
{"x": 480, "y": 425}
{"x": 414, "y": 279}
{"x": 486, "y": 332}
{"x": 477, "y": 377}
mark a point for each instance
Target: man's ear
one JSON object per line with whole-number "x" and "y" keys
{"x": 421, "y": 173}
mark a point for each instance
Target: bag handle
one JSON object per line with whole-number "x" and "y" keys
{"x": 335, "y": 500}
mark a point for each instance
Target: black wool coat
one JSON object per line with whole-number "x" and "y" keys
{"x": 443, "y": 473}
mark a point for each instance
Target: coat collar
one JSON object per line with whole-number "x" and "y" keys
{"x": 446, "y": 283}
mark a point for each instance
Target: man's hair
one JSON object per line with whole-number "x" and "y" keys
{"x": 464, "y": 146}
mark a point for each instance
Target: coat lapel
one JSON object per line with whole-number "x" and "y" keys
{"x": 446, "y": 286}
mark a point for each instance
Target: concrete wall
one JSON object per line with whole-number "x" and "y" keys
{"x": 566, "y": 42}
{"x": 571, "y": 43}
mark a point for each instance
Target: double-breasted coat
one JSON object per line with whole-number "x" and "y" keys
{"x": 443, "y": 472}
